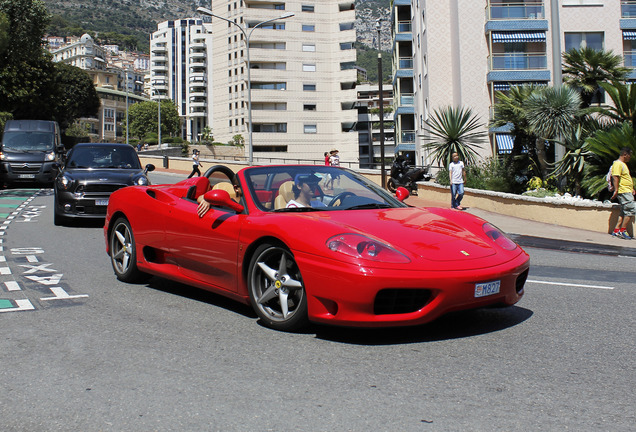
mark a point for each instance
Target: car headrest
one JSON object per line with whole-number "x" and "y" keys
{"x": 226, "y": 186}
{"x": 285, "y": 190}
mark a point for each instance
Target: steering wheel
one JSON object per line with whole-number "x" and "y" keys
{"x": 340, "y": 197}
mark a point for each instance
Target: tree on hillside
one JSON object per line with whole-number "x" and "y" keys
{"x": 76, "y": 95}
{"x": 143, "y": 116}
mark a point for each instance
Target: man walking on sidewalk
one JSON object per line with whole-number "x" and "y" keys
{"x": 457, "y": 174}
{"x": 624, "y": 191}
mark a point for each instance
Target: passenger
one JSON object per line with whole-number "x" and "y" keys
{"x": 304, "y": 189}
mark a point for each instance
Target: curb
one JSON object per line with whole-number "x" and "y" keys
{"x": 571, "y": 246}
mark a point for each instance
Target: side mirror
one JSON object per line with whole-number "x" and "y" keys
{"x": 148, "y": 168}
{"x": 402, "y": 193}
{"x": 220, "y": 198}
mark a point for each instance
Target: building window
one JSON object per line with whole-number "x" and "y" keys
{"x": 269, "y": 86}
{"x": 309, "y": 27}
{"x": 307, "y": 8}
{"x": 347, "y": 45}
{"x": 309, "y": 107}
{"x": 347, "y": 26}
{"x": 347, "y": 65}
{"x": 310, "y": 129}
{"x": 309, "y": 47}
{"x": 582, "y": 40}
{"x": 270, "y": 127}
{"x": 309, "y": 87}
{"x": 309, "y": 68}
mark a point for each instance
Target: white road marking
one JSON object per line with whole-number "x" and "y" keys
{"x": 12, "y": 286}
{"x": 60, "y": 294}
{"x": 23, "y": 305}
{"x": 5, "y": 271}
{"x": 571, "y": 284}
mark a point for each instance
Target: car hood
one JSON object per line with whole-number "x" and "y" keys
{"x": 35, "y": 156}
{"x": 418, "y": 232}
{"x": 110, "y": 175}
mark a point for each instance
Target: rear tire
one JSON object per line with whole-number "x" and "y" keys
{"x": 123, "y": 252}
{"x": 391, "y": 186}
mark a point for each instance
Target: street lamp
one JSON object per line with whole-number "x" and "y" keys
{"x": 126, "y": 72}
{"x": 378, "y": 27}
{"x": 247, "y": 36}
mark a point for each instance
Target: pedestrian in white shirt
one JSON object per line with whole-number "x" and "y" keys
{"x": 457, "y": 174}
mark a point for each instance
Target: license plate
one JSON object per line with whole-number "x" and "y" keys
{"x": 27, "y": 176}
{"x": 102, "y": 202}
{"x": 487, "y": 288}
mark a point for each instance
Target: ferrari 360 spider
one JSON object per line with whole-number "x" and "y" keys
{"x": 305, "y": 243}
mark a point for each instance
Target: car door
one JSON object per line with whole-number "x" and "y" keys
{"x": 205, "y": 249}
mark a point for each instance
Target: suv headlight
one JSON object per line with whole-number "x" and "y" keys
{"x": 50, "y": 156}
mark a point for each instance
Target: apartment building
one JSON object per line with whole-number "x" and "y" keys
{"x": 302, "y": 74}
{"x": 118, "y": 85}
{"x": 368, "y": 126}
{"x": 180, "y": 64}
{"x": 460, "y": 53}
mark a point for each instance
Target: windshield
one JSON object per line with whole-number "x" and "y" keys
{"x": 298, "y": 188}
{"x": 28, "y": 141}
{"x": 103, "y": 157}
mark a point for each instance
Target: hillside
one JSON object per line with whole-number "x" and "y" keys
{"x": 129, "y": 23}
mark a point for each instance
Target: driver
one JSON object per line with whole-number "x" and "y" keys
{"x": 305, "y": 186}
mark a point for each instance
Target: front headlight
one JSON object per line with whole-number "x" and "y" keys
{"x": 359, "y": 246}
{"x": 50, "y": 156}
{"x": 142, "y": 181}
{"x": 499, "y": 237}
{"x": 65, "y": 182}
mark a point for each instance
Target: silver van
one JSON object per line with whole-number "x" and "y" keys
{"x": 30, "y": 152}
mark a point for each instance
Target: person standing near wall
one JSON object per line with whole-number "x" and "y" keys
{"x": 624, "y": 191}
{"x": 457, "y": 174}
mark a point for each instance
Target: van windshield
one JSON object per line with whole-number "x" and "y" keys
{"x": 26, "y": 141}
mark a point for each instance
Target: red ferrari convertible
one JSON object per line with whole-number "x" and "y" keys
{"x": 312, "y": 243}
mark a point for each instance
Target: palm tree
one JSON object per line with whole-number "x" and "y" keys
{"x": 623, "y": 106}
{"x": 573, "y": 163}
{"x": 604, "y": 146}
{"x": 585, "y": 68}
{"x": 552, "y": 113}
{"x": 454, "y": 130}
{"x": 510, "y": 109}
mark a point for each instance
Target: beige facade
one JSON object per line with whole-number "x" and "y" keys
{"x": 460, "y": 53}
{"x": 302, "y": 77}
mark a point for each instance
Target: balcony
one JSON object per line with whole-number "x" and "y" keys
{"x": 515, "y": 10}
{"x": 404, "y": 27}
{"x": 518, "y": 61}
{"x": 628, "y": 8}
{"x": 405, "y": 63}
{"x": 407, "y": 136}
{"x": 407, "y": 99}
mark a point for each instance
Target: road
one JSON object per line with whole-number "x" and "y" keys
{"x": 82, "y": 351}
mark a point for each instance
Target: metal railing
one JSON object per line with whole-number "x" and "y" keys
{"x": 518, "y": 61}
{"x": 628, "y": 8}
{"x": 515, "y": 10}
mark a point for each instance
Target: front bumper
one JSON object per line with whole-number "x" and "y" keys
{"x": 28, "y": 172}
{"x": 343, "y": 294}
{"x": 90, "y": 206}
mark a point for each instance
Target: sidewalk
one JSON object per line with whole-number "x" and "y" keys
{"x": 526, "y": 232}
{"x": 541, "y": 235}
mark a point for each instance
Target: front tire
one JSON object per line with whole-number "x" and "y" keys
{"x": 123, "y": 252}
{"x": 276, "y": 290}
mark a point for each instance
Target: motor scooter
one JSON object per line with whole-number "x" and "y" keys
{"x": 403, "y": 175}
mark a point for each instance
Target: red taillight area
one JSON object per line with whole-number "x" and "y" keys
{"x": 499, "y": 237}
{"x": 359, "y": 246}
